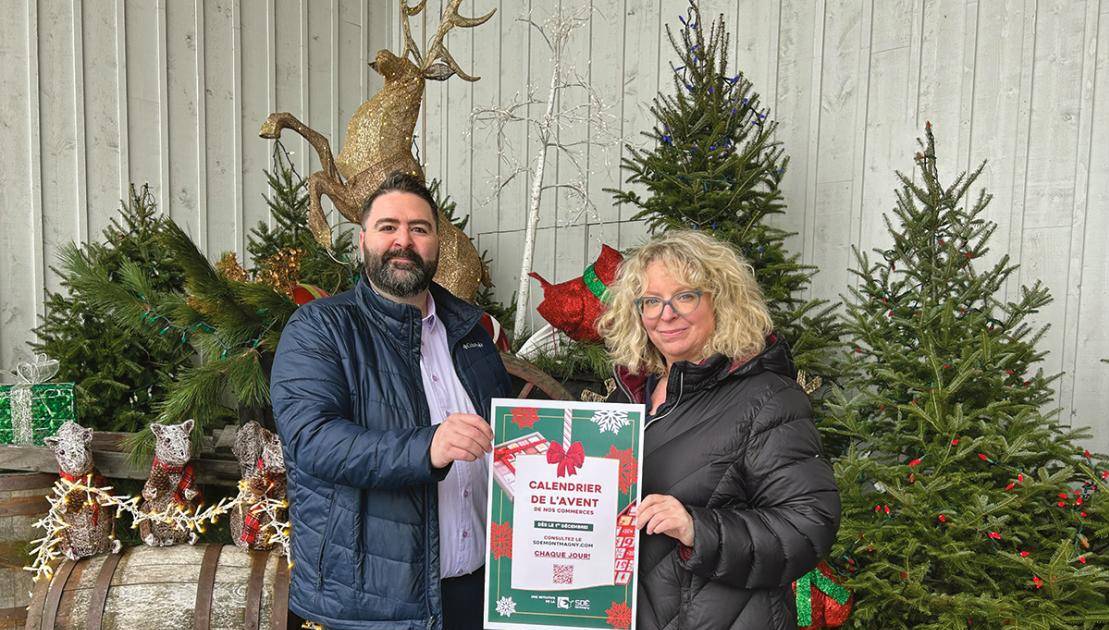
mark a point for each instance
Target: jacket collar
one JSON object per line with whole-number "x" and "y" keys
{"x": 400, "y": 322}
{"x": 691, "y": 377}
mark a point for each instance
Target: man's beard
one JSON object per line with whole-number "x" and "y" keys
{"x": 415, "y": 276}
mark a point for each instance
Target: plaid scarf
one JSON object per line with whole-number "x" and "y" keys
{"x": 252, "y": 522}
{"x": 252, "y": 525}
{"x": 187, "y": 482}
{"x": 98, "y": 481}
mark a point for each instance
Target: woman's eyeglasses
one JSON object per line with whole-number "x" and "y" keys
{"x": 684, "y": 303}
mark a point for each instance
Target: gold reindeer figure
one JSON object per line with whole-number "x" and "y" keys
{"x": 379, "y": 142}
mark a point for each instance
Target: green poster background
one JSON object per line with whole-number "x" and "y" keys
{"x": 594, "y": 607}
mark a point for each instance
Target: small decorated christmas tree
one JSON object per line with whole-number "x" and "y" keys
{"x": 965, "y": 503}
{"x": 119, "y": 375}
{"x": 288, "y": 205}
{"x": 714, "y": 165}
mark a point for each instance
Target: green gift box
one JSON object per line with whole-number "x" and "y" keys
{"x": 33, "y": 410}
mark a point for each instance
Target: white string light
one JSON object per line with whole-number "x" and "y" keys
{"x": 275, "y": 529}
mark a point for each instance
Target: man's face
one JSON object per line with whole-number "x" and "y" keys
{"x": 400, "y": 244}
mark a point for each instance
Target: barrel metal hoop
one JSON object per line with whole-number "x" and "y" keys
{"x": 57, "y": 587}
{"x": 99, "y": 598}
{"x": 205, "y": 587}
{"x": 258, "y": 561}
{"x": 279, "y": 613}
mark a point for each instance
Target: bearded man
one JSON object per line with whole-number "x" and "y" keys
{"x": 377, "y": 394}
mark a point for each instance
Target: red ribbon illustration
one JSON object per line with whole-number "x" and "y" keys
{"x": 568, "y": 461}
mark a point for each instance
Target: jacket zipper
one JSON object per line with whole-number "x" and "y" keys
{"x": 623, "y": 387}
{"x": 681, "y": 391}
{"x": 421, "y": 397}
{"x": 327, "y": 532}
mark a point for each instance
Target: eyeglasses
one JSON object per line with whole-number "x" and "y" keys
{"x": 684, "y": 303}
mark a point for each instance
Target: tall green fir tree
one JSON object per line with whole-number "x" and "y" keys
{"x": 713, "y": 164}
{"x": 119, "y": 376}
{"x": 966, "y": 503}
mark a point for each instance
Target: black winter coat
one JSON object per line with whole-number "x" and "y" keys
{"x": 736, "y": 444}
{"x": 354, "y": 422}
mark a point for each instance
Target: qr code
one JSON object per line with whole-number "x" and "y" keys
{"x": 563, "y": 574}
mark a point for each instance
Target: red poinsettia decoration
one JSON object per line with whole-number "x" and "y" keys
{"x": 629, "y": 468}
{"x": 525, "y": 417}
{"x": 619, "y": 615}
{"x": 500, "y": 540}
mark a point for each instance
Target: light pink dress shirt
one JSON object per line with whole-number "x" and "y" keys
{"x": 462, "y": 494}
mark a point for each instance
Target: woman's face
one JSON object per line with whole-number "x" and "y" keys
{"x": 679, "y": 337}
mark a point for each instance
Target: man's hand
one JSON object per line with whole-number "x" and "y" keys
{"x": 663, "y": 514}
{"x": 462, "y": 436}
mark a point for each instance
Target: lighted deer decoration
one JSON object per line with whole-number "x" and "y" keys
{"x": 379, "y": 142}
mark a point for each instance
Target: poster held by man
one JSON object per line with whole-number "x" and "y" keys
{"x": 561, "y": 547}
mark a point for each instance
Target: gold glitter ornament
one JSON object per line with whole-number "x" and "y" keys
{"x": 229, "y": 268}
{"x": 379, "y": 140}
{"x": 281, "y": 271}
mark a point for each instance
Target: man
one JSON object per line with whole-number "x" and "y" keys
{"x": 376, "y": 393}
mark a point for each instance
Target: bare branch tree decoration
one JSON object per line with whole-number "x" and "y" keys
{"x": 591, "y": 112}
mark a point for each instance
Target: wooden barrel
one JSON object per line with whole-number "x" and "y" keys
{"x": 22, "y": 502}
{"x": 202, "y": 586}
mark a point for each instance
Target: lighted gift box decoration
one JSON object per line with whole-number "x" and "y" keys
{"x": 33, "y": 409}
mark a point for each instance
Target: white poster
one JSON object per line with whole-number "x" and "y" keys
{"x": 563, "y": 533}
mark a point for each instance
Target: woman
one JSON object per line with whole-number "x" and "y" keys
{"x": 738, "y": 500}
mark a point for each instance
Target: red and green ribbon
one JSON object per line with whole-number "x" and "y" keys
{"x": 596, "y": 286}
{"x": 825, "y": 585}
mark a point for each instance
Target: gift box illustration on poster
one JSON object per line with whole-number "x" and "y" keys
{"x": 561, "y": 537}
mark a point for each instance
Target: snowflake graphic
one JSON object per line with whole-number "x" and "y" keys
{"x": 611, "y": 421}
{"x": 500, "y": 539}
{"x": 619, "y": 615}
{"x": 628, "y": 466}
{"x": 505, "y": 606}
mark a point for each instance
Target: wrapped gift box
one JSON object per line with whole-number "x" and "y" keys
{"x": 31, "y": 413}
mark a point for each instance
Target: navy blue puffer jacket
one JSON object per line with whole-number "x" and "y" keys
{"x": 354, "y": 422}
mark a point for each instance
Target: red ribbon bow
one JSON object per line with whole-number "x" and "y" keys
{"x": 568, "y": 461}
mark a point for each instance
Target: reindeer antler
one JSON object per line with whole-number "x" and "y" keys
{"x": 436, "y": 50}
{"x": 406, "y": 12}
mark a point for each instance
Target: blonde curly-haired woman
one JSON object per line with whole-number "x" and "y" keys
{"x": 738, "y": 499}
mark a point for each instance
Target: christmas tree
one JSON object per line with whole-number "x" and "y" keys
{"x": 965, "y": 503}
{"x": 714, "y": 165}
{"x": 331, "y": 270}
{"x": 119, "y": 375}
{"x": 232, "y": 316}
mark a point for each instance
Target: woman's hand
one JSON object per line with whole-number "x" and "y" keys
{"x": 663, "y": 514}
